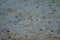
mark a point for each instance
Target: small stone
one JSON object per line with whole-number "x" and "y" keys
{"x": 52, "y": 31}
{"x": 19, "y": 20}
{"x": 0, "y": 14}
{"x": 54, "y": 10}
{"x": 4, "y": 2}
{"x": 43, "y": 17}
{"x": 56, "y": 37}
{"x": 58, "y": 31}
{"x": 49, "y": 36}
{"x": 46, "y": 26}
{"x": 58, "y": 26}
{"x": 24, "y": 18}
{"x": 31, "y": 19}
{"x": 9, "y": 37}
{"x": 24, "y": 0}
{"x": 37, "y": 6}
{"x": 49, "y": 5}
{"x": 0, "y": 4}
{"x": 3, "y": 39}
{"x": 41, "y": 30}
{"x": 49, "y": 21}
{"x": 26, "y": 35}
{"x": 29, "y": 39}
{"x": 8, "y": 31}
{"x": 15, "y": 22}
{"x": 9, "y": 21}
{"x": 4, "y": 14}
{"x": 16, "y": 16}
{"x": 13, "y": 39}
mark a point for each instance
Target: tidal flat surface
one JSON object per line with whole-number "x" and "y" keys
{"x": 29, "y": 19}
